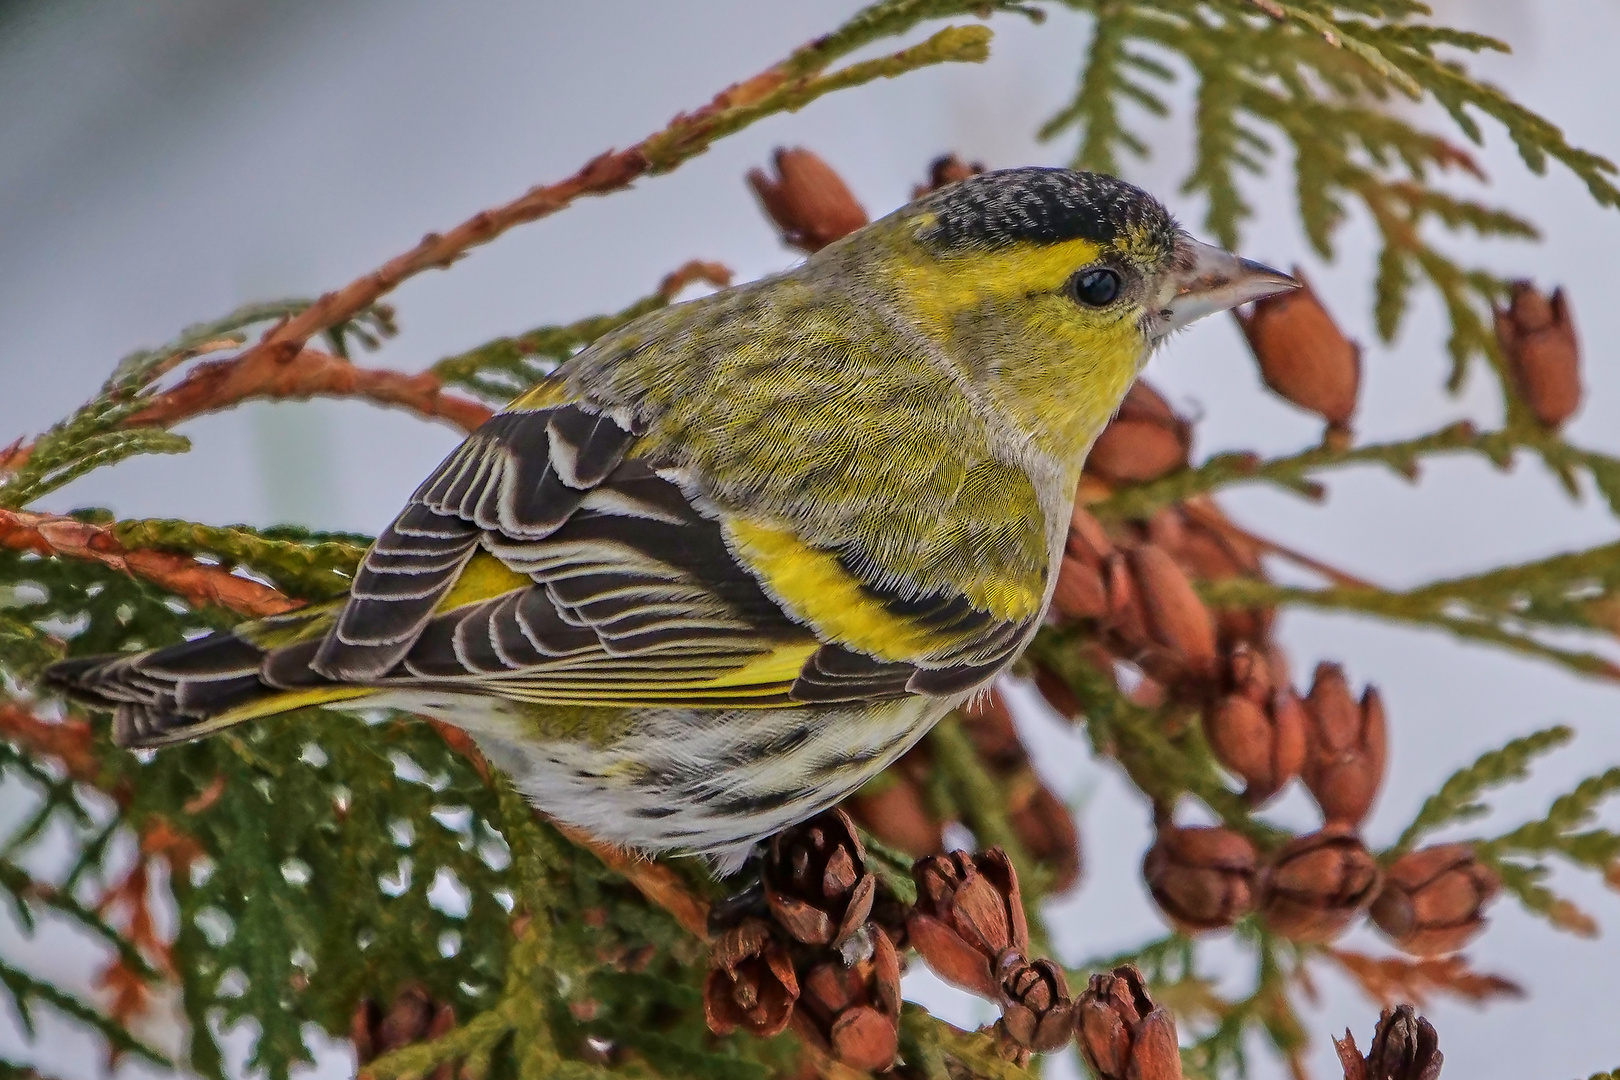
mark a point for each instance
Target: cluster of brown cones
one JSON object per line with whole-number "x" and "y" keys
{"x": 824, "y": 954}
{"x": 1133, "y": 589}
{"x": 814, "y": 957}
{"x": 825, "y": 950}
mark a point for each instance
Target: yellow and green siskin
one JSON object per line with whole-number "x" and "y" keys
{"x": 733, "y": 559}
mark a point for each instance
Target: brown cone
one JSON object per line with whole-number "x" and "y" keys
{"x": 1080, "y": 592}
{"x": 1210, "y": 548}
{"x": 1056, "y": 691}
{"x": 816, "y": 881}
{"x": 852, "y": 1012}
{"x": 1202, "y": 878}
{"x": 969, "y": 916}
{"x": 808, "y": 201}
{"x": 1082, "y": 589}
{"x": 1345, "y": 746}
{"x": 1405, "y": 1046}
{"x": 1257, "y": 728}
{"x": 1121, "y": 1033}
{"x": 1304, "y": 357}
{"x": 1177, "y": 624}
{"x": 946, "y": 169}
{"x": 412, "y": 1017}
{"x": 1433, "y": 900}
{"x": 1543, "y": 354}
{"x": 751, "y": 983}
{"x": 1315, "y": 886}
{"x": 1036, "y": 1011}
{"x": 1145, "y": 440}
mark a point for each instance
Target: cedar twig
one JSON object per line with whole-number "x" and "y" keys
{"x": 256, "y": 373}
{"x": 1392, "y": 979}
{"x": 1209, "y": 517}
{"x": 197, "y": 583}
{"x": 787, "y": 85}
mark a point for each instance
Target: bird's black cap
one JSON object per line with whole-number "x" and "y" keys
{"x": 1044, "y": 206}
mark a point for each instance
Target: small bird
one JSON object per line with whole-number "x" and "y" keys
{"x": 726, "y": 564}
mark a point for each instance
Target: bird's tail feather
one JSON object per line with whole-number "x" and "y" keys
{"x": 193, "y": 689}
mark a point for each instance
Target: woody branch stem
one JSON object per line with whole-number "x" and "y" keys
{"x": 197, "y": 583}
{"x": 1290, "y": 472}
{"x": 221, "y": 384}
{"x": 788, "y": 85}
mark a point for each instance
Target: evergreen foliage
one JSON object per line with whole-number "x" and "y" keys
{"x": 317, "y": 862}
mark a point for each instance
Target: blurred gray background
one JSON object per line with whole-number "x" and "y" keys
{"x": 162, "y": 162}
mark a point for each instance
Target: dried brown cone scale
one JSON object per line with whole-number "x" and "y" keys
{"x": 1203, "y": 878}
{"x": 1176, "y": 623}
{"x": 1145, "y": 440}
{"x": 1303, "y": 355}
{"x": 1206, "y": 544}
{"x": 852, "y": 1012}
{"x": 969, "y": 916}
{"x": 1315, "y": 886}
{"x": 1057, "y": 692}
{"x": 808, "y": 201}
{"x": 1121, "y": 1033}
{"x": 1346, "y": 746}
{"x": 1082, "y": 590}
{"x": 1537, "y": 335}
{"x": 751, "y": 982}
{"x": 1433, "y": 900}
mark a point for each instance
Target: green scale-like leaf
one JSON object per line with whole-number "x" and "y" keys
{"x": 324, "y": 847}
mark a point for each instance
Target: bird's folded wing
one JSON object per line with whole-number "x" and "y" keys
{"x": 545, "y": 561}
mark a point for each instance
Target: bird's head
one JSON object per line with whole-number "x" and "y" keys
{"x": 1049, "y": 289}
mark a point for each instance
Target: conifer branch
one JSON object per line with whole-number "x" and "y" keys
{"x": 25, "y": 889}
{"x": 257, "y": 375}
{"x": 1393, "y": 979}
{"x": 197, "y": 583}
{"x": 784, "y": 87}
{"x": 1294, "y": 472}
{"x": 304, "y": 566}
{"x": 1419, "y": 608}
{"x": 27, "y": 992}
{"x": 1457, "y": 799}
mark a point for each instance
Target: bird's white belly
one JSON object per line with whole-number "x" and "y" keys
{"x": 710, "y": 781}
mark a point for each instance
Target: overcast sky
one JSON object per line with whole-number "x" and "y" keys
{"x": 166, "y": 161}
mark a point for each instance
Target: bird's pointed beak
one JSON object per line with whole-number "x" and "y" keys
{"x": 1205, "y": 279}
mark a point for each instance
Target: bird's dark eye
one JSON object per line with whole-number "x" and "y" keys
{"x": 1095, "y": 288}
